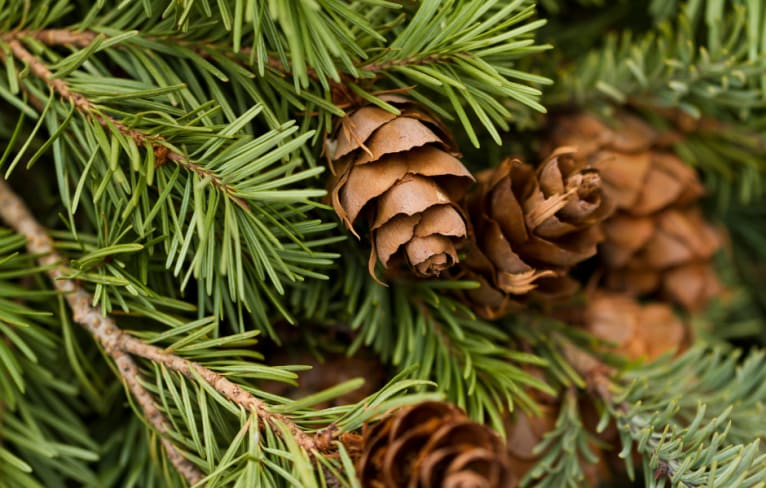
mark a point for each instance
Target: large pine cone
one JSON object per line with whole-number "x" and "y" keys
{"x": 658, "y": 240}
{"x": 531, "y": 227}
{"x": 433, "y": 445}
{"x": 402, "y": 172}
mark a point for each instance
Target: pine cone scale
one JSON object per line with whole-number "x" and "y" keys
{"x": 441, "y": 219}
{"x": 532, "y": 226}
{"x": 433, "y": 444}
{"x": 507, "y": 212}
{"x": 499, "y": 251}
{"x": 657, "y": 231}
{"x": 412, "y": 195}
{"x": 399, "y": 135}
{"x": 399, "y": 231}
{"x": 430, "y": 254}
{"x": 367, "y": 182}
{"x": 636, "y": 330}
{"x": 358, "y": 127}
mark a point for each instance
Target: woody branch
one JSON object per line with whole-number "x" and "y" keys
{"x": 121, "y": 347}
{"x": 162, "y": 149}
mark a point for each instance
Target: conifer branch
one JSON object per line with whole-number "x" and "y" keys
{"x": 103, "y": 329}
{"x": 120, "y": 345}
{"x": 678, "y": 426}
{"x": 162, "y": 150}
{"x": 225, "y": 387}
{"x": 599, "y": 381}
{"x": 56, "y": 37}
{"x": 65, "y": 37}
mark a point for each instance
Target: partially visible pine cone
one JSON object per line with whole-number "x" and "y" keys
{"x": 532, "y": 226}
{"x": 402, "y": 172}
{"x": 658, "y": 241}
{"x": 639, "y": 331}
{"x": 433, "y": 445}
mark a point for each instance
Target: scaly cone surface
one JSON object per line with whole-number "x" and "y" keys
{"x": 433, "y": 444}
{"x": 403, "y": 173}
{"x": 638, "y": 331}
{"x": 531, "y": 227}
{"x": 657, "y": 241}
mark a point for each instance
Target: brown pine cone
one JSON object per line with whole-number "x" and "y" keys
{"x": 532, "y": 226}
{"x": 639, "y": 331}
{"x": 657, "y": 241}
{"x": 401, "y": 171}
{"x": 433, "y": 445}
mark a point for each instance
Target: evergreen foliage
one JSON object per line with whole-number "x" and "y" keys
{"x": 173, "y": 150}
{"x": 698, "y": 421}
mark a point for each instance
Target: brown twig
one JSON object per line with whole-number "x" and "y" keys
{"x": 386, "y": 65}
{"x": 222, "y": 385}
{"x": 58, "y": 37}
{"x": 55, "y": 37}
{"x": 120, "y": 345}
{"x": 15, "y": 213}
{"x": 161, "y": 148}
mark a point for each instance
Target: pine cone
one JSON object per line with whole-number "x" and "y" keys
{"x": 402, "y": 172}
{"x": 433, "y": 444}
{"x": 531, "y": 227}
{"x": 639, "y": 331}
{"x": 657, "y": 241}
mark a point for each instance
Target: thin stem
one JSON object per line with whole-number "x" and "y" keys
{"x": 120, "y": 345}
{"x": 599, "y": 381}
{"x": 162, "y": 150}
{"x": 15, "y": 213}
{"x": 386, "y": 65}
{"x": 58, "y": 37}
{"x": 221, "y": 384}
{"x": 55, "y": 37}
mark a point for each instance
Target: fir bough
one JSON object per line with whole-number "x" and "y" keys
{"x": 164, "y": 225}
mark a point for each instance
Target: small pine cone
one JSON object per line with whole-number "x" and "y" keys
{"x": 532, "y": 226}
{"x": 657, "y": 241}
{"x": 639, "y": 331}
{"x": 402, "y": 173}
{"x": 432, "y": 445}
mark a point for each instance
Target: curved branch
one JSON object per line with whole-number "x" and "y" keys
{"x": 162, "y": 150}
{"x": 18, "y": 217}
{"x": 122, "y": 346}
